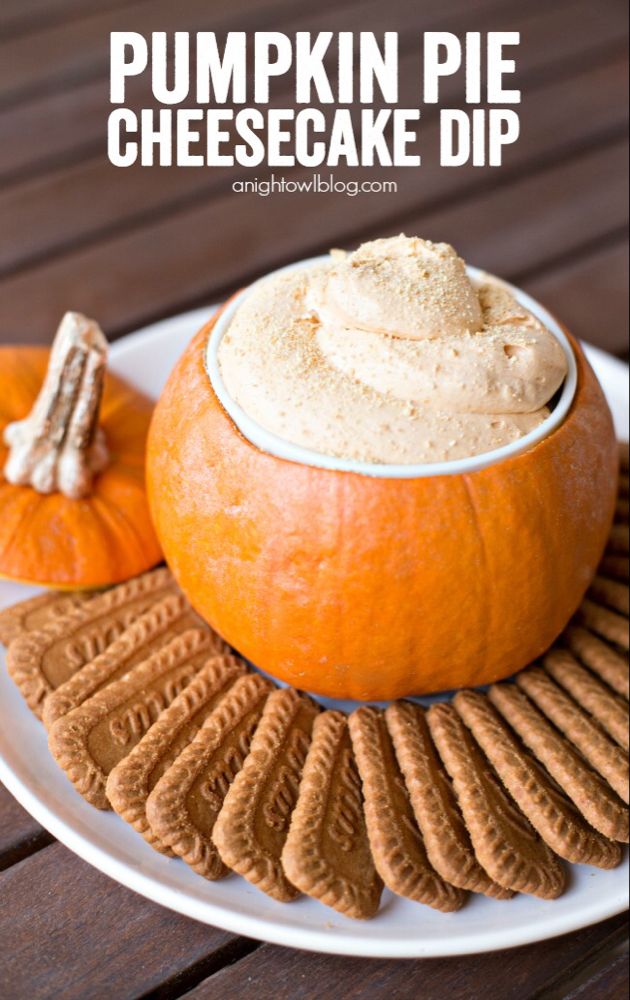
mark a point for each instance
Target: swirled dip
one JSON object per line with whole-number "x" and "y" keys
{"x": 390, "y": 354}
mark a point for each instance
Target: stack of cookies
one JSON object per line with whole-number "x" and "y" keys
{"x": 150, "y": 713}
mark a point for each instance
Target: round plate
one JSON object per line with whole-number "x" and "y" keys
{"x": 401, "y": 929}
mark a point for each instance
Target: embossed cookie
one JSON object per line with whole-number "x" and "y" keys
{"x": 596, "y": 747}
{"x": 551, "y": 814}
{"x": 587, "y": 790}
{"x": 444, "y": 832}
{"x": 252, "y": 826}
{"x": 132, "y": 780}
{"x": 606, "y": 623}
{"x": 505, "y": 842}
{"x": 327, "y": 852}
{"x": 612, "y": 593}
{"x": 609, "y": 710}
{"x": 396, "y": 842}
{"x": 39, "y": 662}
{"x": 148, "y": 633}
{"x": 600, "y": 658}
{"x": 183, "y": 807}
{"x": 90, "y": 740}
{"x": 38, "y": 612}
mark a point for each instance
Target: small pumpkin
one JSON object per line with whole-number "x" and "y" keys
{"x": 374, "y": 588}
{"x": 73, "y": 507}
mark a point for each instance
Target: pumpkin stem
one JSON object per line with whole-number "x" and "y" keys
{"x": 59, "y": 447}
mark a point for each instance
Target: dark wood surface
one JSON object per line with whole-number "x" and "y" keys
{"x": 131, "y": 246}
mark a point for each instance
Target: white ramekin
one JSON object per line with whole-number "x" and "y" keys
{"x": 273, "y": 444}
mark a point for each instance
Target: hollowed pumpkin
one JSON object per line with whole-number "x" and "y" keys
{"x": 102, "y": 536}
{"x": 357, "y": 587}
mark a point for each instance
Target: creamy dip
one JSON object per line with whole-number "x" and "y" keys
{"x": 390, "y": 354}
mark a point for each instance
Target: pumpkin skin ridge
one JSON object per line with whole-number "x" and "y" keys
{"x": 53, "y": 557}
{"x": 202, "y": 473}
{"x": 31, "y": 500}
{"x": 115, "y": 515}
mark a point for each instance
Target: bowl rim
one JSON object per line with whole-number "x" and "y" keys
{"x": 272, "y": 444}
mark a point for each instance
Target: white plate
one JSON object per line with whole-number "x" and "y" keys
{"x": 402, "y": 929}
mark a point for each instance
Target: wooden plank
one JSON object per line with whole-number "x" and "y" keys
{"x": 590, "y": 295}
{"x": 604, "y": 977}
{"x": 23, "y": 16}
{"x": 285, "y": 974}
{"x": 20, "y": 834}
{"x": 208, "y": 249}
{"x": 69, "y": 931}
{"x": 83, "y": 202}
{"x": 59, "y": 126}
{"x": 609, "y": 983}
{"x": 539, "y": 219}
{"x": 78, "y": 50}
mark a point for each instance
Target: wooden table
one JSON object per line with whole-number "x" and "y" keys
{"x": 130, "y": 246}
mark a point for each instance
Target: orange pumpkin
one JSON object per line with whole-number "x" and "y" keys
{"x": 100, "y": 539}
{"x": 376, "y": 588}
